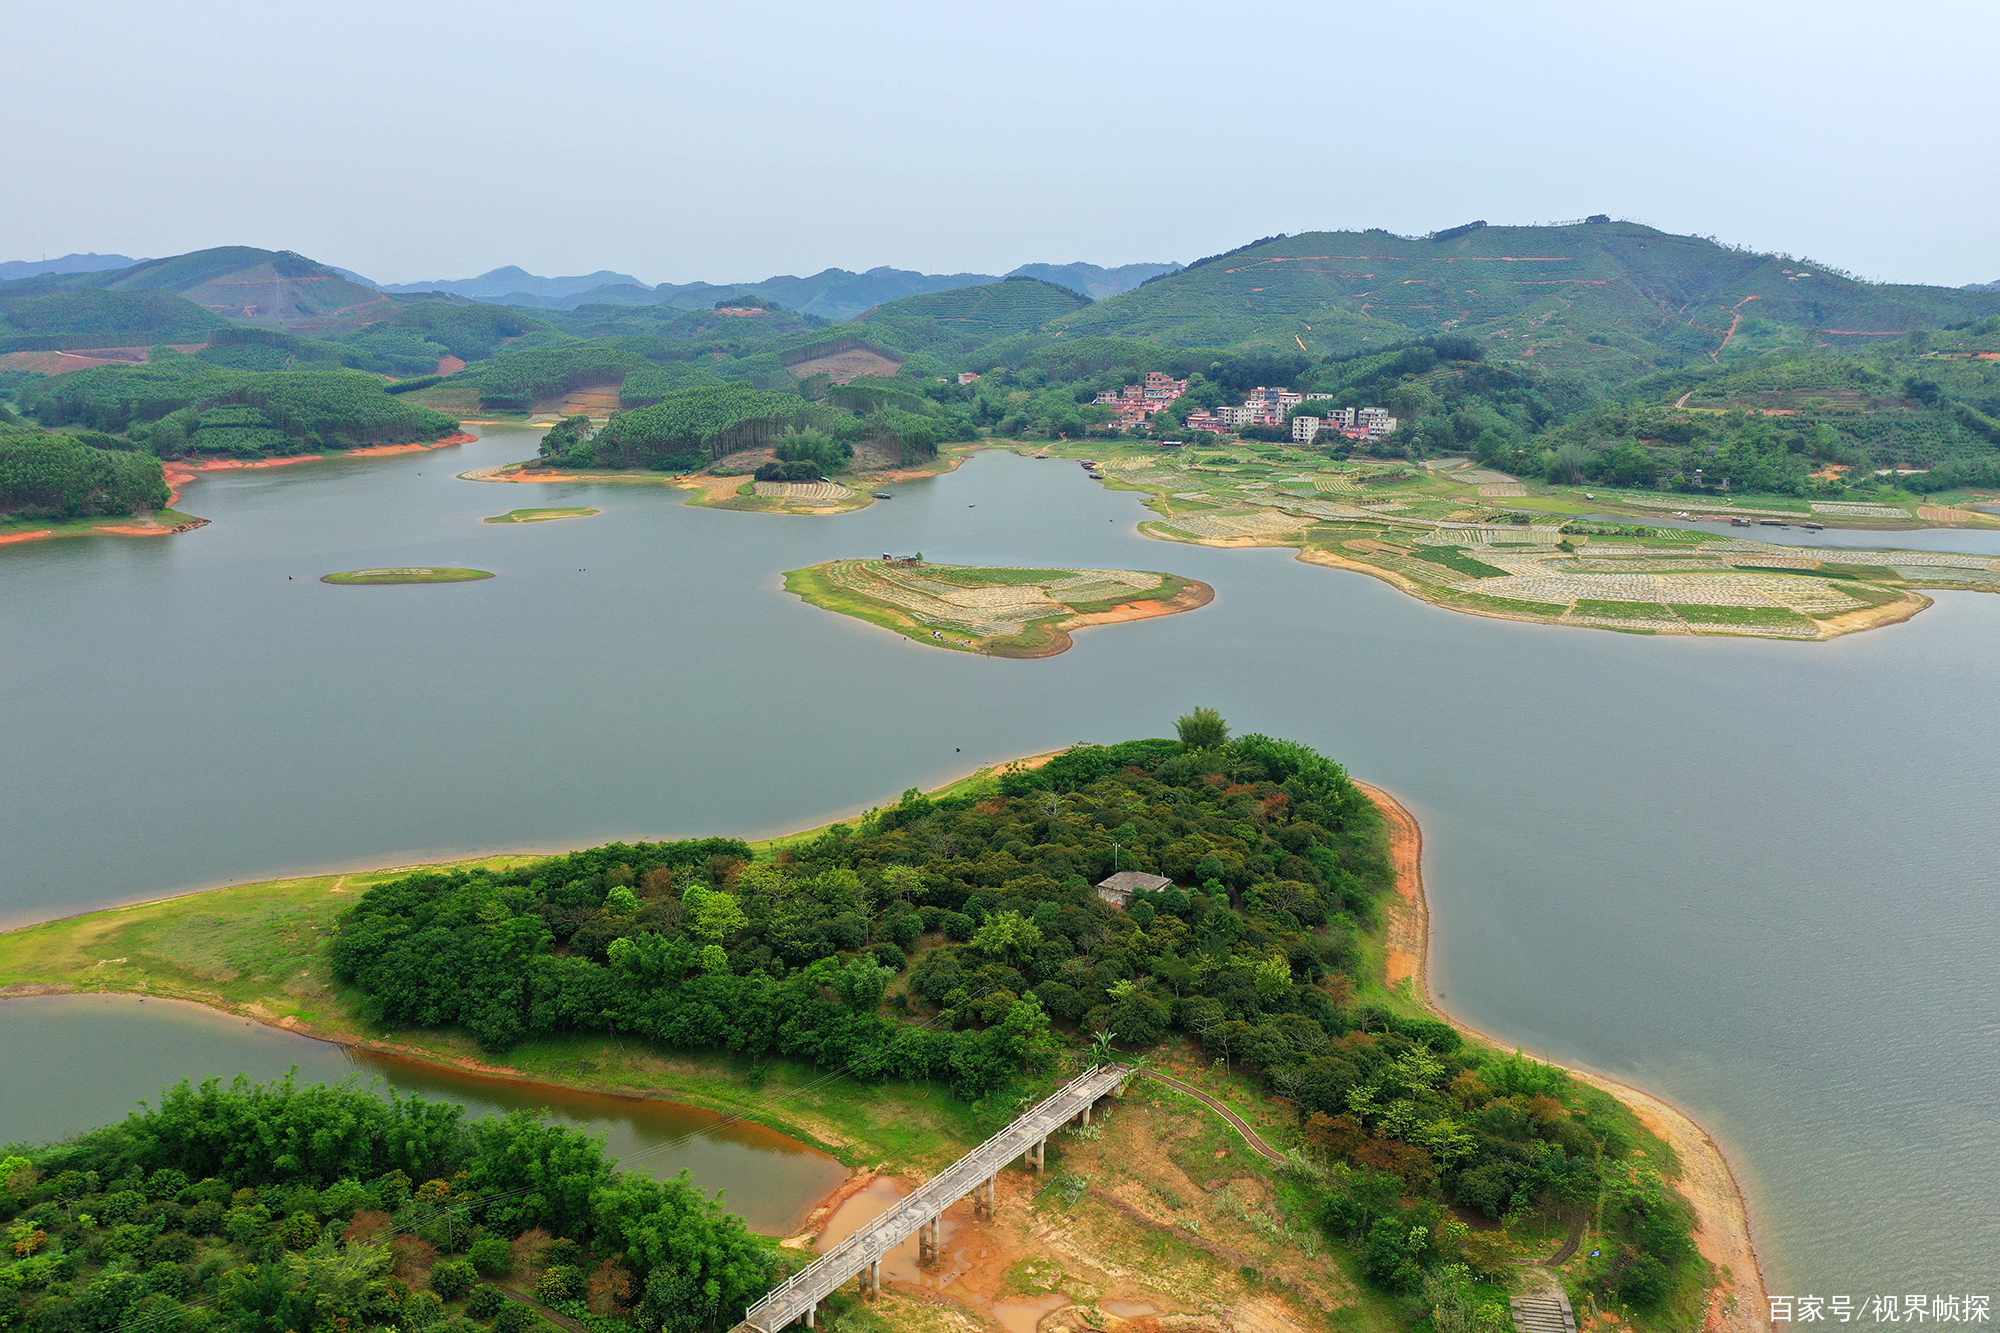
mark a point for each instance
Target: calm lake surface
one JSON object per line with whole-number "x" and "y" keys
{"x": 118, "y": 1049}
{"x": 1757, "y": 878}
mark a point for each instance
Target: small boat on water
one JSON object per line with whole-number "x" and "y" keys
{"x": 884, "y": 495}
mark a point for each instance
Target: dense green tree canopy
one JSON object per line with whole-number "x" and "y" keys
{"x": 58, "y": 476}
{"x": 267, "y": 1209}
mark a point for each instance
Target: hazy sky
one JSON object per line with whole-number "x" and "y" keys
{"x": 733, "y": 141}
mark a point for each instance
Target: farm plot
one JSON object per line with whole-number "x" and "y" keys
{"x": 999, "y": 611}
{"x": 809, "y": 492}
{"x": 1844, "y": 510}
{"x": 1227, "y": 526}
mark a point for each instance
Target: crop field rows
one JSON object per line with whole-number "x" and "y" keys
{"x": 1452, "y": 534}
{"x": 811, "y": 492}
{"x": 1811, "y": 596}
{"x": 1947, "y": 558}
{"x": 944, "y": 599}
{"x": 1950, "y": 574}
{"x": 1858, "y": 510}
{"x": 1228, "y": 526}
{"x": 1706, "y": 503}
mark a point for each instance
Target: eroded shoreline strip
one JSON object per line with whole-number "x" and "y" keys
{"x": 1738, "y": 1302}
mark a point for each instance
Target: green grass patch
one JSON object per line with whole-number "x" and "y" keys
{"x": 1454, "y": 557}
{"x": 1506, "y": 604}
{"x": 540, "y": 515}
{"x": 1615, "y": 610}
{"x": 1737, "y": 615}
{"x": 408, "y": 574}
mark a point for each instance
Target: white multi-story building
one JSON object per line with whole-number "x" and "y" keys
{"x": 1376, "y": 421}
{"x": 1303, "y": 429}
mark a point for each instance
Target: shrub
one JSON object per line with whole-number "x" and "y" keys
{"x": 485, "y": 1302}
{"x": 300, "y": 1231}
{"x": 555, "y": 1286}
{"x": 422, "y": 1309}
{"x": 452, "y": 1279}
{"x": 492, "y": 1256}
{"x": 513, "y": 1318}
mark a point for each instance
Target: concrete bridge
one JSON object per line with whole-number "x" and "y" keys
{"x": 861, "y": 1254}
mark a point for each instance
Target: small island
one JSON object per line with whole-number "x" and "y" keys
{"x": 1001, "y": 612}
{"x": 541, "y": 515}
{"x": 410, "y": 574}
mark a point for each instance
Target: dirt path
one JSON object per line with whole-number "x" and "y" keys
{"x": 1250, "y": 1136}
{"x": 1734, "y": 324}
{"x": 1722, "y": 1222}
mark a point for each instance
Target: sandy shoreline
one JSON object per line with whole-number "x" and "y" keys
{"x": 1722, "y": 1222}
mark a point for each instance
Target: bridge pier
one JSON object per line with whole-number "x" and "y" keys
{"x": 927, "y": 1242}
{"x": 861, "y": 1256}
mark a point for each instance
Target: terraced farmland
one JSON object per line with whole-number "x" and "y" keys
{"x": 1001, "y": 612}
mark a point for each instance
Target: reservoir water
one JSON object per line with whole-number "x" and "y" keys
{"x": 1757, "y": 878}
{"x": 117, "y": 1050}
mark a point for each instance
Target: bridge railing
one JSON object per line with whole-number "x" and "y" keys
{"x": 813, "y": 1283}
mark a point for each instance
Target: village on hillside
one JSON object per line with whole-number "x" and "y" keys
{"x": 1137, "y": 404}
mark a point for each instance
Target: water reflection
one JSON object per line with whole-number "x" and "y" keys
{"x": 96, "y": 1056}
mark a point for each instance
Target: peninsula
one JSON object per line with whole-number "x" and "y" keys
{"x": 1001, "y": 612}
{"x": 956, "y": 940}
{"x": 1439, "y": 532}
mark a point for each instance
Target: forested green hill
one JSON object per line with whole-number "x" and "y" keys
{"x": 1793, "y": 421}
{"x": 93, "y": 317}
{"x": 43, "y": 475}
{"x": 1608, "y": 300}
{"x": 953, "y": 323}
{"x": 178, "y": 404}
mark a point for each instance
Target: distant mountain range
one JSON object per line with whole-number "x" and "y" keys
{"x": 834, "y": 293}
{"x": 1603, "y": 301}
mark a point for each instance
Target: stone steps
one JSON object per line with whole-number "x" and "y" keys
{"x": 1544, "y": 1312}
